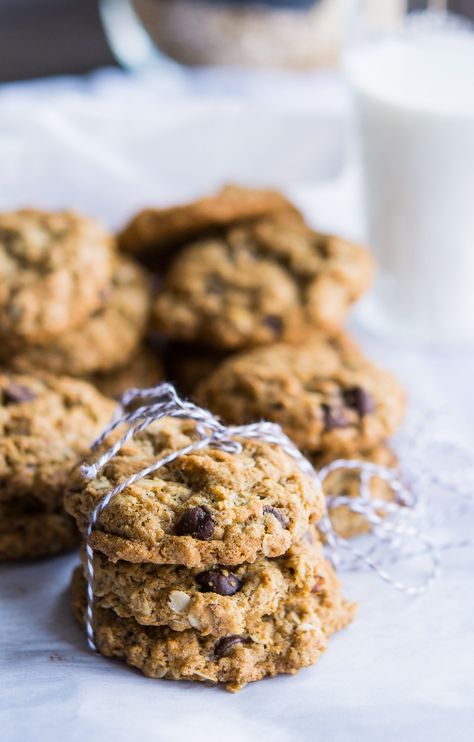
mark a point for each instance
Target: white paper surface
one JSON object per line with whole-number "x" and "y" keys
{"x": 405, "y": 669}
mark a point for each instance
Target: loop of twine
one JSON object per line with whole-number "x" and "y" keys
{"x": 388, "y": 522}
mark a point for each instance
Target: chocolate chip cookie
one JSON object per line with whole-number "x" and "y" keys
{"x": 346, "y": 483}
{"x": 260, "y": 282}
{"x": 107, "y": 339}
{"x": 154, "y": 234}
{"x": 324, "y": 393}
{"x": 218, "y": 601}
{"x": 206, "y": 508}
{"x": 54, "y": 269}
{"x": 290, "y": 638}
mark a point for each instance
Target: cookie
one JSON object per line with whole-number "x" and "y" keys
{"x": 28, "y": 531}
{"x": 291, "y": 638}
{"x": 143, "y": 370}
{"x": 46, "y": 426}
{"x": 217, "y": 601}
{"x": 154, "y": 234}
{"x": 258, "y": 283}
{"x": 209, "y": 507}
{"x": 346, "y": 483}
{"x": 54, "y": 269}
{"x": 107, "y": 339}
{"x": 324, "y": 393}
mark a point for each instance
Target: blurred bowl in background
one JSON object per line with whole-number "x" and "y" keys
{"x": 296, "y": 34}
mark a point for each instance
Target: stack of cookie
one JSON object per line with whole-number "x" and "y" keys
{"x": 210, "y": 568}
{"x": 252, "y": 302}
{"x": 46, "y": 426}
{"x": 70, "y": 303}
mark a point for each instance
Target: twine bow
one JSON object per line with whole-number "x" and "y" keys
{"x": 386, "y": 519}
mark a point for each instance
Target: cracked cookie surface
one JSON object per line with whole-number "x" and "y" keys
{"x": 260, "y": 282}
{"x": 291, "y": 638}
{"x": 324, "y": 393}
{"x": 54, "y": 268}
{"x": 209, "y": 507}
{"x": 153, "y": 234}
{"x": 46, "y": 426}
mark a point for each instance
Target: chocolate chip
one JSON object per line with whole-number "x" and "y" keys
{"x": 225, "y": 645}
{"x": 278, "y": 515}
{"x": 334, "y": 416}
{"x": 197, "y": 522}
{"x": 216, "y": 581}
{"x": 274, "y": 323}
{"x": 359, "y": 399}
{"x": 15, "y": 393}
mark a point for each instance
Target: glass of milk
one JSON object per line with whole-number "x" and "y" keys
{"x": 414, "y": 98}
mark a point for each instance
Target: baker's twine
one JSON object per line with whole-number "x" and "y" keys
{"x": 388, "y": 521}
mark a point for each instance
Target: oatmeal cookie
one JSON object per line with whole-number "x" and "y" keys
{"x": 291, "y": 638}
{"x": 260, "y": 282}
{"x": 54, "y": 269}
{"x": 346, "y": 482}
{"x": 209, "y": 507}
{"x": 29, "y": 531}
{"x": 154, "y": 234}
{"x": 218, "y": 601}
{"x": 107, "y": 339}
{"x": 46, "y": 426}
{"x": 324, "y": 393}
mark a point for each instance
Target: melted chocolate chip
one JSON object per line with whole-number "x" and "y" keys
{"x": 197, "y": 522}
{"x": 274, "y": 323}
{"x": 15, "y": 393}
{"x": 225, "y": 645}
{"x": 334, "y": 416}
{"x": 278, "y": 515}
{"x": 359, "y": 399}
{"x": 216, "y": 581}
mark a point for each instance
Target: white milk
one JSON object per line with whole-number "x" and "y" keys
{"x": 415, "y": 100}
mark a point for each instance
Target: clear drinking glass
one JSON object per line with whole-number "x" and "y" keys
{"x": 413, "y": 90}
